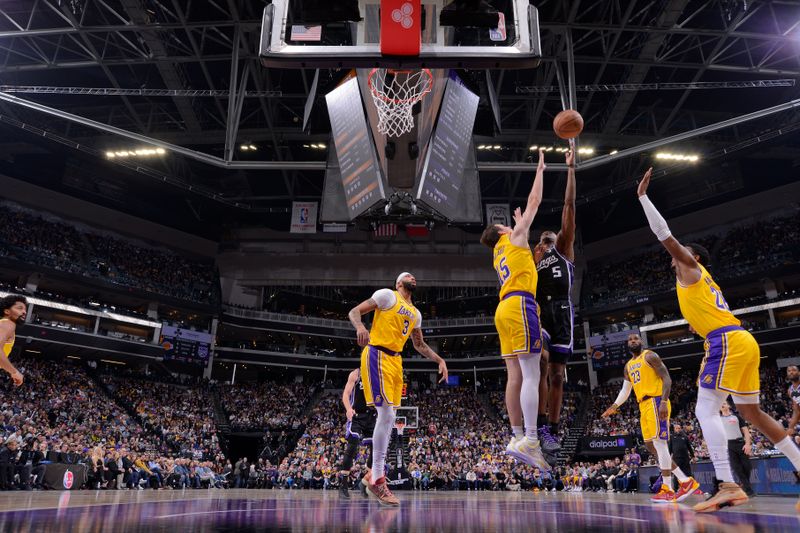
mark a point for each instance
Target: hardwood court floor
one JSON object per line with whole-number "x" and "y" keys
{"x": 281, "y": 510}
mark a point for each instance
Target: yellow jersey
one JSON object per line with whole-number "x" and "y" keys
{"x": 8, "y": 345}
{"x": 391, "y": 327}
{"x": 646, "y": 382}
{"x": 515, "y": 267}
{"x": 703, "y": 306}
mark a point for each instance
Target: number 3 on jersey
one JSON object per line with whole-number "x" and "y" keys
{"x": 405, "y": 326}
{"x": 502, "y": 271}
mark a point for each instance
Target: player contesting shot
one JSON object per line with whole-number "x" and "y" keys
{"x": 517, "y": 323}
{"x": 359, "y": 428}
{"x": 555, "y": 258}
{"x": 731, "y": 362}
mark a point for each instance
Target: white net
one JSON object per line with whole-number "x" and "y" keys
{"x": 395, "y": 93}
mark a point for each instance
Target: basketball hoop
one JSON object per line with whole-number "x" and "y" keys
{"x": 395, "y": 92}
{"x": 400, "y": 426}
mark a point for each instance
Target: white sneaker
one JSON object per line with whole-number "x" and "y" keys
{"x": 511, "y": 443}
{"x": 529, "y": 452}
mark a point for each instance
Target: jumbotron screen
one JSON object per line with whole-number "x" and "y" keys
{"x": 185, "y": 345}
{"x": 610, "y": 350}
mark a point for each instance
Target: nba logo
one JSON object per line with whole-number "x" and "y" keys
{"x": 303, "y": 215}
{"x": 69, "y": 478}
{"x": 707, "y": 379}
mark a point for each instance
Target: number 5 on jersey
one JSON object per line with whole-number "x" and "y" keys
{"x": 502, "y": 271}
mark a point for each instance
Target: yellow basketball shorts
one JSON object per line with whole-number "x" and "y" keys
{"x": 517, "y": 323}
{"x": 653, "y": 426}
{"x": 731, "y": 362}
{"x": 382, "y": 374}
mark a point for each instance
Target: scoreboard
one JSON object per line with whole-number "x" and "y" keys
{"x": 610, "y": 350}
{"x": 185, "y": 345}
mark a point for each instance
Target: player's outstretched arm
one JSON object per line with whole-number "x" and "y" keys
{"x": 422, "y": 347}
{"x": 565, "y": 241}
{"x": 657, "y": 364}
{"x": 6, "y": 334}
{"x": 524, "y": 219}
{"x": 355, "y": 314}
{"x": 688, "y": 270}
{"x": 622, "y": 397}
{"x": 348, "y": 390}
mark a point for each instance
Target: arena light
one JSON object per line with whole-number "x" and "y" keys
{"x": 691, "y": 158}
{"x": 137, "y": 152}
{"x": 109, "y": 361}
{"x": 612, "y": 152}
{"x": 534, "y": 148}
{"x": 586, "y": 151}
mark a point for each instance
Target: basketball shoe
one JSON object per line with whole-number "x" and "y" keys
{"x": 380, "y": 490}
{"x": 729, "y": 495}
{"x": 511, "y": 443}
{"x": 686, "y": 489}
{"x": 665, "y": 495}
{"x": 365, "y": 483}
{"x": 529, "y": 452}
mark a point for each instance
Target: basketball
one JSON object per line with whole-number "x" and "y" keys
{"x": 568, "y": 124}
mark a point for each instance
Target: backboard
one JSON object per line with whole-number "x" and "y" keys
{"x": 294, "y": 35}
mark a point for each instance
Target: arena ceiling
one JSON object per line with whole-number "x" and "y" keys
{"x": 644, "y": 70}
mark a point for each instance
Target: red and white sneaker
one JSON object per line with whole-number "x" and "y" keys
{"x": 665, "y": 495}
{"x": 380, "y": 490}
{"x": 686, "y": 489}
{"x": 367, "y": 479}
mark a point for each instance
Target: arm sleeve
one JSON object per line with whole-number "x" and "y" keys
{"x": 657, "y": 223}
{"x": 385, "y": 298}
{"x": 624, "y": 393}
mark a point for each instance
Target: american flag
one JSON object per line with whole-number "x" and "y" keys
{"x": 386, "y": 230}
{"x": 306, "y": 33}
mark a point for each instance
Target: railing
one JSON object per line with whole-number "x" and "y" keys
{"x": 343, "y": 324}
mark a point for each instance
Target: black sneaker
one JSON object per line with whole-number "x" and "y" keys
{"x": 343, "y": 492}
{"x": 549, "y": 443}
{"x": 797, "y": 476}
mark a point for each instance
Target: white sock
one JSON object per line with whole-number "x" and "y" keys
{"x": 683, "y": 478}
{"x": 380, "y": 439}
{"x": 529, "y": 395}
{"x": 707, "y": 412}
{"x": 667, "y": 481}
{"x": 518, "y": 431}
{"x": 790, "y": 450}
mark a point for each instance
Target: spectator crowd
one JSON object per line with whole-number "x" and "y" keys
{"x": 63, "y": 246}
